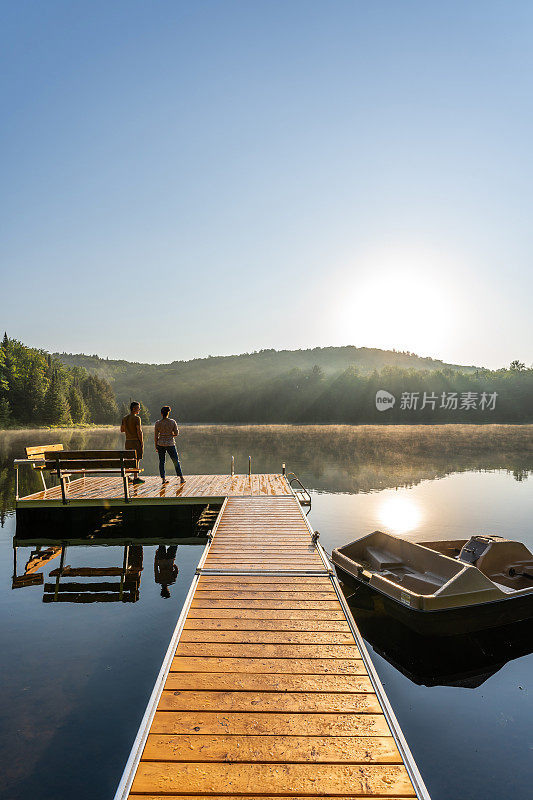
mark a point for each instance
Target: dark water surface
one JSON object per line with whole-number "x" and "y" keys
{"x": 76, "y": 677}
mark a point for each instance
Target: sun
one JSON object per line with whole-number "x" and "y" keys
{"x": 402, "y": 299}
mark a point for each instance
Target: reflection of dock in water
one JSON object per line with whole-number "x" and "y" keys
{"x": 125, "y": 590}
{"x": 38, "y": 558}
{"x": 66, "y": 590}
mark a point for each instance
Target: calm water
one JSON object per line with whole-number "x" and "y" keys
{"x": 76, "y": 677}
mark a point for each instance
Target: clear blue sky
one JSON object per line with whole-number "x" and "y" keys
{"x": 183, "y": 179}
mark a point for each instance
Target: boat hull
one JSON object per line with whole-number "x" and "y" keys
{"x": 449, "y": 621}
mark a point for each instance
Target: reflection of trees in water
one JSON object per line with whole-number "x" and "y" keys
{"x": 342, "y": 458}
{"x": 336, "y": 458}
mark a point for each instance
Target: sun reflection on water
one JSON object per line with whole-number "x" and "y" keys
{"x": 399, "y": 514}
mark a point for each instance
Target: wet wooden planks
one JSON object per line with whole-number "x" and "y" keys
{"x": 256, "y": 535}
{"x": 111, "y": 488}
{"x": 267, "y": 694}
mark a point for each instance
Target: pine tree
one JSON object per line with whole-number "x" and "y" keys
{"x": 100, "y": 399}
{"x": 78, "y": 407}
{"x": 144, "y": 414}
{"x": 55, "y": 405}
{"x": 5, "y": 412}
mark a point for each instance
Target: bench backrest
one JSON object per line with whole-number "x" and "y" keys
{"x": 90, "y": 459}
{"x": 37, "y": 452}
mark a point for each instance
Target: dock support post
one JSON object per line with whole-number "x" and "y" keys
{"x": 232, "y": 466}
{"x": 283, "y": 469}
{"x": 249, "y": 466}
{"x": 16, "y": 482}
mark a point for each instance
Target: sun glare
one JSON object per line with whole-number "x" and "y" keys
{"x": 401, "y": 299}
{"x": 399, "y": 514}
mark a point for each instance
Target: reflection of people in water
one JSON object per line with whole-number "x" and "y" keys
{"x": 165, "y": 570}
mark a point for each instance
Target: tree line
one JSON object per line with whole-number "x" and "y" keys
{"x": 311, "y": 396}
{"x": 37, "y": 389}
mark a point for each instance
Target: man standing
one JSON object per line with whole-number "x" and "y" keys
{"x": 165, "y": 431}
{"x": 131, "y": 426}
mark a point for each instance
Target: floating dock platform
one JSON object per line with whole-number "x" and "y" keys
{"x": 267, "y": 689}
{"x": 93, "y": 491}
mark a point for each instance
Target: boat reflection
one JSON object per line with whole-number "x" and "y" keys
{"x": 465, "y": 660}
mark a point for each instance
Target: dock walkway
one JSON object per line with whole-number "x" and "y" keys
{"x": 267, "y": 689}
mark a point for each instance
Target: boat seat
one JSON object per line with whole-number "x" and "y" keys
{"x": 414, "y": 583}
{"x": 380, "y": 560}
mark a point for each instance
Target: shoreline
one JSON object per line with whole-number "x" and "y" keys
{"x": 350, "y": 425}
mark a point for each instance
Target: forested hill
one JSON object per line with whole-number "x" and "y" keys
{"x": 323, "y": 385}
{"x": 38, "y": 389}
{"x": 249, "y": 366}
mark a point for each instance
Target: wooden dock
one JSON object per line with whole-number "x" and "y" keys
{"x": 109, "y": 491}
{"x": 267, "y": 689}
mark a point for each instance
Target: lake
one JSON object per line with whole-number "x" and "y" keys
{"x": 76, "y": 677}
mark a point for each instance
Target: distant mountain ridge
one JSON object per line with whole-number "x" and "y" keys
{"x": 331, "y": 360}
{"x": 323, "y": 385}
{"x": 217, "y": 386}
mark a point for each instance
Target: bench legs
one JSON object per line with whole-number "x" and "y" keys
{"x": 62, "y": 483}
{"x": 124, "y": 480}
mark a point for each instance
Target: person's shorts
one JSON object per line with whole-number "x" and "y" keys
{"x": 135, "y": 444}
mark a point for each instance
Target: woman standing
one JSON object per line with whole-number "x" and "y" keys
{"x": 165, "y": 431}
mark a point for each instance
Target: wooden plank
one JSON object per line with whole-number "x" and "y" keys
{"x": 311, "y": 779}
{"x": 135, "y": 796}
{"x": 265, "y": 613}
{"x": 266, "y": 637}
{"x": 269, "y": 724}
{"x": 250, "y": 594}
{"x": 260, "y": 582}
{"x": 283, "y": 749}
{"x": 300, "y": 665}
{"x": 37, "y": 451}
{"x": 232, "y": 624}
{"x": 270, "y": 682}
{"x": 308, "y": 605}
{"x": 263, "y": 566}
{"x": 268, "y": 650}
{"x": 282, "y": 702}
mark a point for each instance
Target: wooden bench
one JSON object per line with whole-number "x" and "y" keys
{"x": 66, "y": 463}
{"x": 35, "y": 458}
